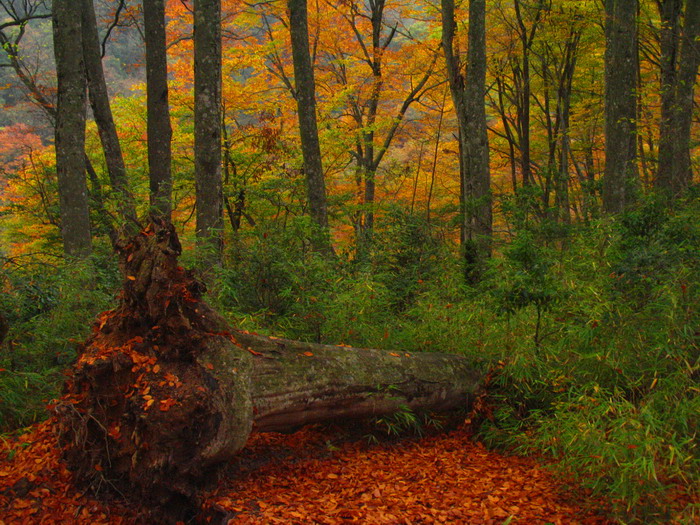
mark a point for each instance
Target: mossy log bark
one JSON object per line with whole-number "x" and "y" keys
{"x": 164, "y": 392}
{"x": 296, "y": 383}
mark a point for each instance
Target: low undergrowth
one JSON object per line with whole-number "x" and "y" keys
{"x": 597, "y": 327}
{"x": 49, "y": 306}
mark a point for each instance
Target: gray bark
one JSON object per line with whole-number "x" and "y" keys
{"x": 207, "y": 127}
{"x": 477, "y": 162}
{"x": 526, "y": 38}
{"x": 296, "y": 383}
{"x": 70, "y": 129}
{"x": 564, "y": 107}
{"x": 680, "y": 58}
{"x": 669, "y": 38}
{"x": 158, "y": 111}
{"x": 99, "y": 101}
{"x": 468, "y": 96}
{"x": 306, "y": 109}
{"x": 164, "y": 392}
{"x": 621, "y": 62}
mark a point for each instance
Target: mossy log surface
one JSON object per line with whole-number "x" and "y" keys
{"x": 296, "y": 383}
{"x": 164, "y": 392}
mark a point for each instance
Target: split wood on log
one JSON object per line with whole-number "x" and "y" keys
{"x": 164, "y": 392}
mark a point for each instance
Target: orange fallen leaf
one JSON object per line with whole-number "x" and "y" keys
{"x": 166, "y": 404}
{"x": 253, "y": 351}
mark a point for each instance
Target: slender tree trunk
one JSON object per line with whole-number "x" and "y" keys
{"x": 477, "y": 142}
{"x": 687, "y": 75}
{"x": 562, "y": 186}
{"x": 158, "y": 110}
{"x": 436, "y": 153}
{"x": 370, "y": 174}
{"x": 70, "y": 128}
{"x": 372, "y": 161}
{"x": 552, "y": 126}
{"x": 456, "y": 81}
{"x": 4, "y": 328}
{"x": 207, "y": 127}
{"x": 564, "y": 108}
{"x": 641, "y": 152}
{"x": 469, "y": 102}
{"x": 621, "y": 175}
{"x": 500, "y": 86}
{"x": 305, "y": 94}
{"x": 367, "y": 136}
{"x": 669, "y": 37}
{"x": 524, "y": 122}
{"x": 526, "y": 38}
{"x": 680, "y": 57}
{"x": 99, "y": 101}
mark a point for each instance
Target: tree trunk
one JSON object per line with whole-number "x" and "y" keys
{"x": 687, "y": 74}
{"x": 296, "y": 383}
{"x": 456, "y": 81}
{"x": 70, "y": 129}
{"x": 469, "y": 100}
{"x": 526, "y": 38}
{"x": 306, "y": 103}
{"x": 621, "y": 177}
{"x": 164, "y": 393}
{"x": 207, "y": 127}
{"x": 670, "y": 12}
{"x": 564, "y": 90}
{"x": 4, "y": 328}
{"x": 99, "y": 101}
{"x": 680, "y": 58}
{"x": 562, "y": 183}
{"x": 158, "y": 111}
{"x": 478, "y": 173}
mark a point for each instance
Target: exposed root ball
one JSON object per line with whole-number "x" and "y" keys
{"x": 160, "y": 395}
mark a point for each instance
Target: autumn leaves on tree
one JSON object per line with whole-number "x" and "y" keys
{"x": 330, "y": 129}
{"x": 362, "y": 103}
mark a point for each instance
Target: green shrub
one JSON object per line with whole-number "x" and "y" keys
{"x": 50, "y": 309}
{"x": 598, "y": 326}
{"x": 612, "y": 392}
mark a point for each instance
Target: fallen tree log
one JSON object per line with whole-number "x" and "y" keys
{"x": 164, "y": 392}
{"x": 296, "y": 383}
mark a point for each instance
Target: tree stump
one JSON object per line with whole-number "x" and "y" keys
{"x": 164, "y": 392}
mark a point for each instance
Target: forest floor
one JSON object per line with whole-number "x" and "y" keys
{"x": 321, "y": 475}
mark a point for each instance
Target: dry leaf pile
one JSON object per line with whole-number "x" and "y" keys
{"x": 315, "y": 475}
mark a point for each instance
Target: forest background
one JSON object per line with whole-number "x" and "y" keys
{"x": 574, "y": 268}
